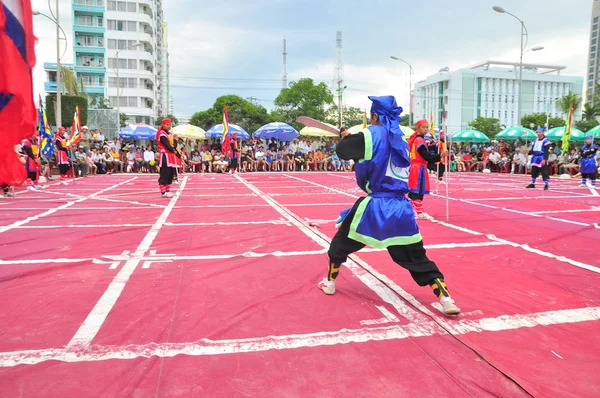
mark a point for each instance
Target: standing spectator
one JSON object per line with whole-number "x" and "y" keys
{"x": 85, "y": 139}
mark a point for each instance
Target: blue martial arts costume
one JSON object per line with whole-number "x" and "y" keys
{"x": 540, "y": 152}
{"x": 588, "y": 163}
{"x": 385, "y": 218}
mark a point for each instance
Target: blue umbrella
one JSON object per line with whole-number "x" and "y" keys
{"x": 217, "y": 131}
{"x": 280, "y": 131}
{"x": 138, "y": 132}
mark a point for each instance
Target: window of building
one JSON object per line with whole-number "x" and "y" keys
{"x": 86, "y": 20}
{"x": 131, "y": 7}
{"x": 594, "y": 41}
{"x": 132, "y": 26}
{"x": 593, "y": 48}
{"x": 100, "y": 21}
{"x": 595, "y": 19}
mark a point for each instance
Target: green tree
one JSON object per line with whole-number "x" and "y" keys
{"x": 537, "y": 119}
{"x": 303, "y": 98}
{"x": 556, "y": 122}
{"x": 97, "y": 101}
{"x": 68, "y": 105}
{"x": 173, "y": 119}
{"x": 72, "y": 86}
{"x": 406, "y": 120}
{"x": 567, "y": 101}
{"x": 590, "y": 112}
{"x": 241, "y": 112}
{"x": 487, "y": 125}
{"x": 350, "y": 117}
{"x": 586, "y": 125}
{"x": 123, "y": 120}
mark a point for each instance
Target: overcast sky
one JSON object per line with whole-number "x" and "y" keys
{"x": 235, "y": 46}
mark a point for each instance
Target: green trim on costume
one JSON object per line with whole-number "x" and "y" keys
{"x": 367, "y": 188}
{"x": 376, "y": 243}
{"x": 368, "y": 145}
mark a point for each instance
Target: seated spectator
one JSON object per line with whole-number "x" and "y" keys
{"x": 468, "y": 160}
{"x": 318, "y": 158}
{"x": 299, "y": 159}
{"x": 93, "y": 169}
{"x": 260, "y": 161}
{"x": 99, "y": 161}
{"x": 207, "y": 161}
{"x": 460, "y": 164}
{"x": 108, "y": 160}
{"x": 289, "y": 161}
{"x": 82, "y": 167}
{"x": 130, "y": 159}
{"x": 196, "y": 162}
{"x": 335, "y": 161}
{"x": 552, "y": 161}
{"x": 149, "y": 157}
{"x": 116, "y": 158}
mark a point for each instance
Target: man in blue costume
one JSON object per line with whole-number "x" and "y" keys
{"x": 539, "y": 161}
{"x": 588, "y": 164}
{"x": 385, "y": 218}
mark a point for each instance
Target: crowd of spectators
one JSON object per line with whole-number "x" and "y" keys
{"x": 95, "y": 154}
{"x": 512, "y": 157}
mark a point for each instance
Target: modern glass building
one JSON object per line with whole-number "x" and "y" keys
{"x": 594, "y": 50}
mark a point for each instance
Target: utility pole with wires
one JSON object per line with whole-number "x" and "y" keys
{"x": 284, "y": 77}
{"x": 252, "y": 100}
{"x": 339, "y": 73}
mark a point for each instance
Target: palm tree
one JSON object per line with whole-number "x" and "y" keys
{"x": 568, "y": 101}
{"x": 71, "y": 85}
{"x": 590, "y": 112}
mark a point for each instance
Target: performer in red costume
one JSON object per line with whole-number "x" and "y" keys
{"x": 168, "y": 154}
{"x": 234, "y": 153}
{"x": 418, "y": 179}
{"x": 62, "y": 154}
{"x": 33, "y": 162}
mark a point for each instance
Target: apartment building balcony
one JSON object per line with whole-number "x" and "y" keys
{"x": 89, "y": 6}
{"x": 92, "y": 28}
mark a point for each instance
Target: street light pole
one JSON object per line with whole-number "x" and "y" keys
{"x": 523, "y": 34}
{"x": 410, "y": 73}
{"x": 58, "y": 113}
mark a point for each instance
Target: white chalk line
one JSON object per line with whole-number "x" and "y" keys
{"x": 493, "y": 238}
{"x": 530, "y": 214}
{"x": 167, "y": 224}
{"x": 108, "y": 199}
{"x": 368, "y": 279}
{"x": 249, "y": 254}
{"x": 205, "y": 347}
{"x": 62, "y": 207}
{"x": 531, "y": 197}
{"x": 92, "y": 324}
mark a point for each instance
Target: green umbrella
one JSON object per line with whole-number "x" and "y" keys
{"x": 515, "y": 133}
{"x": 470, "y": 136}
{"x": 556, "y": 134}
{"x": 595, "y": 132}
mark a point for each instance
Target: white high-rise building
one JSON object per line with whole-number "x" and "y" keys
{"x": 123, "y": 39}
{"x": 594, "y": 49}
{"x": 491, "y": 89}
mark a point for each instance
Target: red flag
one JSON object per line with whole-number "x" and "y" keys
{"x": 17, "y": 108}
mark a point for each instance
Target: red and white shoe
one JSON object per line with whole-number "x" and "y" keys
{"x": 328, "y": 287}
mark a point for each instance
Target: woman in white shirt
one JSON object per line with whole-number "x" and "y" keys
{"x": 149, "y": 157}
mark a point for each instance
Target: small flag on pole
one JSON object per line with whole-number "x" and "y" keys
{"x": 567, "y": 134}
{"x": 225, "y": 123}
{"x": 76, "y": 127}
{"x": 47, "y": 147}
